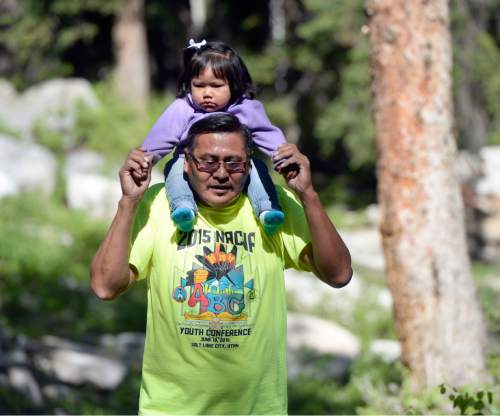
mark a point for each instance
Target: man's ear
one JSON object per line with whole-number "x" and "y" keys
{"x": 186, "y": 164}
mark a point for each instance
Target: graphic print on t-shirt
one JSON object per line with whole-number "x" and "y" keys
{"x": 215, "y": 294}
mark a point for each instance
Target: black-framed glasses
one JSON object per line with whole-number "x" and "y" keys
{"x": 211, "y": 166}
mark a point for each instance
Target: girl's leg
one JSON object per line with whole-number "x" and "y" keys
{"x": 262, "y": 195}
{"x": 180, "y": 197}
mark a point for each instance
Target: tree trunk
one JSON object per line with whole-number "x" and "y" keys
{"x": 437, "y": 316}
{"x": 277, "y": 20}
{"x": 132, "y": 69}
{"x": 198, "y": 17}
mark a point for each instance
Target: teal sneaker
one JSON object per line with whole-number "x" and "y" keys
{"x": 183, "y": 219}
{"x": 271, "y": 220}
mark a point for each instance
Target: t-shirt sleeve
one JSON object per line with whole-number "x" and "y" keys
{"x": 142, "y": 236}
{"x": 295, "y": 232}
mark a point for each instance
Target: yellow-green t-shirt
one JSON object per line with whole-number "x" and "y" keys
{"x": 216, "y": 320}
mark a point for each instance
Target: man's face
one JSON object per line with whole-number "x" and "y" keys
{"x": 220, "y": 187}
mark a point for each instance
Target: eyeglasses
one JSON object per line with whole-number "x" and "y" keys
{"x": 211, "y": 166}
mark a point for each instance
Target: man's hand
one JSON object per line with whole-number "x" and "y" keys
{"x": 295, "y": 168}
{"x": 135, "y": 174}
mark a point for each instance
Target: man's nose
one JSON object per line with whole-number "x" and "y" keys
{"x": 221, "y": 172}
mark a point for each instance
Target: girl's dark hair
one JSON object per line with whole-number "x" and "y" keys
{"x": 225, "y": 64}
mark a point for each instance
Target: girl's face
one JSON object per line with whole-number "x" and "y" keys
{"x": 208, "y": 92}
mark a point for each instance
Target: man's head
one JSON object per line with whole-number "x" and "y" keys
{"x": 218, "y": 151}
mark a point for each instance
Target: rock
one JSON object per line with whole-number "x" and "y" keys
{"x": 321, "y": 336}
{"x": 53, "y": 103}
{"x": 83, "y": 161}
{"x": 58, "y": 392}
{"x": 468, "y": 167}
{"x": 19, "y": 375}
{"x": 95, "y": 194}
{"x": 389, "y": 350}
{"x": 490, "y": 228}
{"x": 77, "y": 367}
{"x": 318, "y": 348}
{"x": 384, "y": 298}
{"x": 489, "y": 184}
{"x": 129, "y": 345}
{"x": 306, "y": 290}
{"x": 22, "y": 380}
{"x": 491, "y": 282}
{"x": 7, "y": 92}
{"x": 309, "y": 293}
{"x": 7, "y": 187}
{"x": 78, "y": 364}
{"x": 56, "y": 342}
{"x": 372, "y": 212}
{"x": 26, "y": 166}
{"x": 365, "y": 246}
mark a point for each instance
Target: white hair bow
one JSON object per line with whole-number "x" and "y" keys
{"x": 193, "y": 44}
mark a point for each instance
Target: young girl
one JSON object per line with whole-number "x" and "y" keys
{"x": 214, "y": 79}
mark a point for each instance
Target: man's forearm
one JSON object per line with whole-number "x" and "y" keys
{"x": 330, "y": 255}
{"x": 110, "y": 271}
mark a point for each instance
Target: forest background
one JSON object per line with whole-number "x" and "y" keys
{"x": 310, "y": 61}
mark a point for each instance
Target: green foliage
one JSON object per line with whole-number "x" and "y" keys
{"x": 477, "y": 56}
{"x": 348, "y": 117}
{"x": 334, "y": 48}
{"x": 82, "y": 400}
{"x": 262, "y": 66}
{"x": 280, "y": 111}
{"x": 9, "y": 131}
{"x": 53, "y": 140}
{"x": 38, "y": 33}
{"x": 345, "y": 218}
{"x": 333, "y": 21}
{"x": 46, "y": 251}
{"x": 307, "y": 396}
{"x": 487, "y": 62}
{"x": 116, "y": 127}
{"x": 476, "y": 403}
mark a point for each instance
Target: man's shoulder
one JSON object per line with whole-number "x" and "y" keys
{"x": 154, "y": 195}
{"x": 287, "y": 197}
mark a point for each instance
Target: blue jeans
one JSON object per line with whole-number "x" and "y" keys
{"x": 260, "y": 187}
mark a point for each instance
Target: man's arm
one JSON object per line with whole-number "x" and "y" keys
{"x": 327, "y": 255}
{"x": 110, "y": 272}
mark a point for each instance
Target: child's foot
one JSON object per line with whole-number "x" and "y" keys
{"x": 183, "y": 219}
{"x": 271, "y": 220}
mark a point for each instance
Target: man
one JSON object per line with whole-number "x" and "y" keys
{"x": 216, "y": 322}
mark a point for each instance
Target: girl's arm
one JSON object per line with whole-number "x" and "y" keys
{"x": 168, "y": 129}
{"x": 267, "y": 137}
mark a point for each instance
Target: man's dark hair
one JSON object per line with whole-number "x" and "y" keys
{"x": 225, "y": 64}
{"x": 219, "y": 123}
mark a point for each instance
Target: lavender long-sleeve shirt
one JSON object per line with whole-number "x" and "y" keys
{"x": 171, "y": 129}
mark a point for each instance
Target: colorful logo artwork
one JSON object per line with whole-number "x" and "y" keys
{"x": 215, "y": 288}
